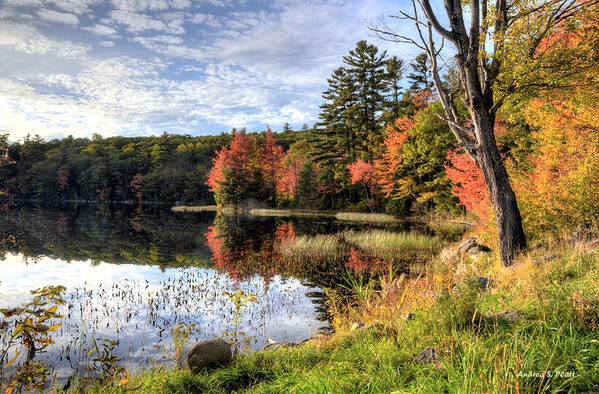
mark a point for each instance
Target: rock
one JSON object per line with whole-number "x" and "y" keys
{"x": 509, "y": 316}
{"x": 357, "y": 326}
{"x": 468, "y": 247}
{"x": 428, "y": 355}
{"x": 208, "y": 354}
{"x": 484, "y": 282}
{"x": 409, "y": 316}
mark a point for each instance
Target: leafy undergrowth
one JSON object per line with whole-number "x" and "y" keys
{"x": 552, "y": 346}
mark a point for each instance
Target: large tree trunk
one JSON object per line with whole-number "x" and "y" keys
{"x": 507, "y": 215}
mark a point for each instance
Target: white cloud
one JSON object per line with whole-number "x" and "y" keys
{"x": 206, "y": 20}
{"x": 150, "y": 5}
{"x": 137, "y": 23}
{"x": 102, "y": 30}
{"x": 74, "y": 6}
{"x": 232, "y": 67}
{"x": 24, "y": 3}
{"x": 28, "y": 40}
{"x": 57, "y": 17}
{"x": 159, "y": 39}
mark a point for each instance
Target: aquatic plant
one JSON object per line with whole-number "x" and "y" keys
{"x": 30, "y": 335}
{"x": 238, "y": 339}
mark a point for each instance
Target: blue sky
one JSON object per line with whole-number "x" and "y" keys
{"x": 141, "y": 67}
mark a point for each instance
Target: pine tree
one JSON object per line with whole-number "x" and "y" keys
{"x": 393, "y": 77}
{"x": 367, "y": 66}
{"x": 420, "y": 77}
{"x": 350, "y": 119}
{"x": 333, "y": 138}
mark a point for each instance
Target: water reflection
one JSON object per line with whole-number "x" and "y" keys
{"x": 132, "y": 273}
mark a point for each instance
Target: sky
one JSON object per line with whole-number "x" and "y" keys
{"x": 143, "y": 67}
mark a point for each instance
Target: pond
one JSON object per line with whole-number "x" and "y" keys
{"x": 131, "y": 274}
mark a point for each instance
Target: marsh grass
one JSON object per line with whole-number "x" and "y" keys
{"x": 365, "y": 217}
{"x": 195, "y": 208}
{"x": 313, "y": 249}
{"x": 288, "y": 213}
{"x": 382, "y": 245}
{"x": 373, "y": 240}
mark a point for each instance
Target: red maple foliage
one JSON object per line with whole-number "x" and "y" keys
{"x": 362, "y": 172}
{"x": 271, "y": 162}
{"x": 240, "y": 157}
{"x": 136, "y": 185}
{"x": 395, "y": 138}
{"x": 469, "y": 184}
{"x": 62, "y": 179}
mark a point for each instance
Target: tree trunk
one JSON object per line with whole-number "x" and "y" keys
{"x": 507, "y": 215}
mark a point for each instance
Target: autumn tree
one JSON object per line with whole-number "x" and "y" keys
{"x": 364, "y": 173}
{"x": 271, "y": 163}
{"x": 293, "y": 161}
{"x": 497, "y": 40}
{"x": 235, "y": 175}
{"x": 469, "y": 184}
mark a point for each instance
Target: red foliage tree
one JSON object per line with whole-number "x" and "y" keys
{"x": 365, "y": 173}
{"x": 469, "y": 184}
{"x": 238, "y": 166}
{"x": 136, "y": 185}
{"x": 389, "y": 165}
{"x": 271, "y": 162}
{"x": 62, "y": 179}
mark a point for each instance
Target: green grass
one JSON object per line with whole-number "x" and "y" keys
{"x": 381, "y": 242}
{"x": 559, "y": 334}
{"x": 194, "y": 208}
{"x": 365, "y": 217}
{"x": 287, "y": 213}
{"x": 318, "y": 248}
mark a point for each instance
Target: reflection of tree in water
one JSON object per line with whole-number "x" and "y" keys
{"x": 244, "y": 248}
{"x": 117, "y": 235}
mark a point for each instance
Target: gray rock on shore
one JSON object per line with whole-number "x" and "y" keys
{"x": 208, "y": 354}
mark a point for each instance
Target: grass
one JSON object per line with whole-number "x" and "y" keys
{"x": 287, "y": 213}
{"x": 365, "y": 217}
{"x": 318, "y": 248}
{"x": 554, "y": 347}
{"x": 383, "y": 245}
{"x": 195, "y": 208}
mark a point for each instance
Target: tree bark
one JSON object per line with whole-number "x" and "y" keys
{"x": 507, "y": 215}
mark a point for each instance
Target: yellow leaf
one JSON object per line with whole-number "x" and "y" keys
{"x": 12, "y": 360}
{"x": 123, "y": 382}
{"x": 52, "y": 309}
{"x": 11, "y": 387}
{"x": 54, "y": 327}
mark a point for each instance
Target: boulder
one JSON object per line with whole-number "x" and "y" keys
{"x": 428, "y": 355}
{"x": 209, "y": 354}
{"x": 470, "y": 246}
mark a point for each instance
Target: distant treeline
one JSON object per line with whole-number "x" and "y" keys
{"x": 169, "y": 168}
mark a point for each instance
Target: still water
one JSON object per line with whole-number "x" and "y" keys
{"x": 131, "y": 274}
